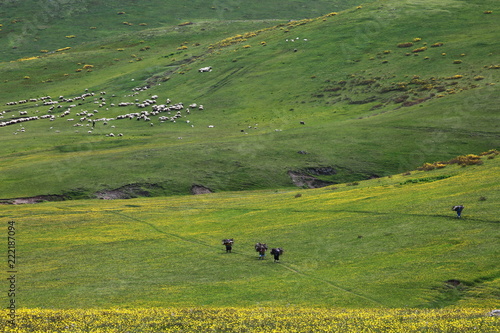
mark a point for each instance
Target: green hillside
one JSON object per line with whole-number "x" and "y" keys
{"x": 363, "y": 92}
{"x": 387, "y": 242}
{"x": 29, "y": 26}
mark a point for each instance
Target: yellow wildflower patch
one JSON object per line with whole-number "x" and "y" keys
{"x": 293, "y": 319}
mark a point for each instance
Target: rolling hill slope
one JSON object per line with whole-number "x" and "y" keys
{"x": 364, "y": 92}
{"x": 29, "y": 26}
{"x": 387, "y": 242}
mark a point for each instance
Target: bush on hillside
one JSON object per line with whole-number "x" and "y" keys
{"x": 27, "y": 59}
{"x": 454, "y": 77}
{"x": 408, "y": 44}
{"x": 469, "y": 159}
{"x": 463, "y": 160}
{"x": 420, "y": 49}
{"x": 432, "y": 166}
{"x": 490, "y": 153}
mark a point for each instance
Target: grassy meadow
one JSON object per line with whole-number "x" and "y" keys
{"x": 343, "y": 76}
{"x": 389, "y": 242}
{"x": 380, "y": 255}
{"x": 363, "y": 97}
{"x": 31, "y": 26}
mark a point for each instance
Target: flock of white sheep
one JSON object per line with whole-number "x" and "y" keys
{"x": 63, "y": 107}
{"x": 153, "y": 112}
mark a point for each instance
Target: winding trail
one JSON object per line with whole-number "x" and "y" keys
{"x": 331, "y": 284}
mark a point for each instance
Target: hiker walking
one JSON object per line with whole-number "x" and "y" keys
{"x": 276, "y": 253}
{"x": 261, "y": 248}
{"x": 458, "y": 209}
{"x": 229, "y": 244}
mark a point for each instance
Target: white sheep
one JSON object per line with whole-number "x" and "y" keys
{"x": 205, "y": 69}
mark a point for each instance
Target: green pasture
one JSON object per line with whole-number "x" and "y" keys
{"x": 31, "y": 26}
{"x": 344, "y": 77}
{"x": 386, "y": 242}
{"x": 354, "y": 94}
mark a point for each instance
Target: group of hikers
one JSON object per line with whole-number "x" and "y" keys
{"x": 261, "y": 248}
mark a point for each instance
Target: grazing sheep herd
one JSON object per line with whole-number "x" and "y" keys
{"x": 63, "y": 107}
{"x": 152, "y": 110}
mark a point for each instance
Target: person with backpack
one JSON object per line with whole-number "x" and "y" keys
{"x": 458, "y": 209}
{"x": 276, "y": 252}
{"x": 229, "y": 244}
{"x": 261, "y": 248}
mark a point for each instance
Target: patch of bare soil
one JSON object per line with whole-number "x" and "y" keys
{"x": 200, "y": 189}
{"x": 32, "y": 200}
{"x": 306, "y": 180}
